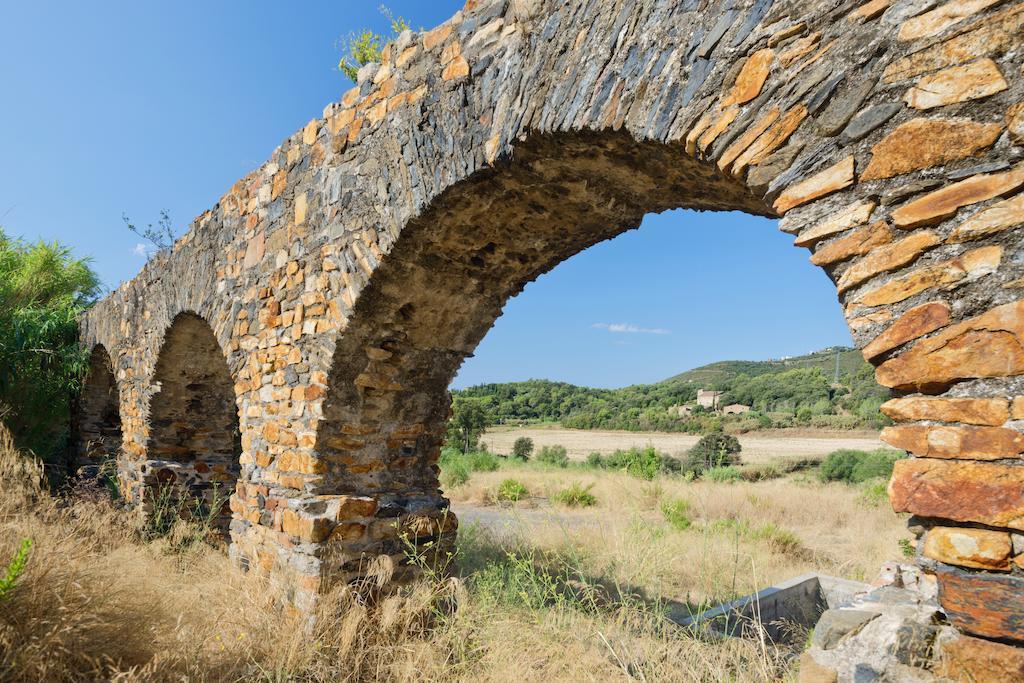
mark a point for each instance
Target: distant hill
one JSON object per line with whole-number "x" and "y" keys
{"x": 850, "y": 361}
{"x": 800, "y": 390}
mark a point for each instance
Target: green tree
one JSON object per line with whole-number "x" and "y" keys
{"x": 714, "y": 450}
{"x": 365, "y": 46}
{"x": 469, "y": 419}
{"x": 43, "y": 289}
{"x": 522, "y": 448}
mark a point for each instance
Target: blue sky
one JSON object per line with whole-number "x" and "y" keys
{"x": 128, "y": 107}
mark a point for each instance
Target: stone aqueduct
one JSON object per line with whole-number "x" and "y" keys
{"x": 295, "y": 347}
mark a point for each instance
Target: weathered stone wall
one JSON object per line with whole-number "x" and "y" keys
{"x": 347, "y": 278}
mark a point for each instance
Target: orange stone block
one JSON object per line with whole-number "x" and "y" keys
{"x": 970, "y": 264}
{"x": 770, "y": 140}
{"x": 963, "y": 491}
{"x": 921, "y": 143}
{"x": 744, "y": 141}
{"x": 310, "y": 131}
{"x": 459, "y": 68}
{"x": 916, "y": 322}
{"x": 786, "y": 33}
{"x": 972, "y": 81}
{"x": 991, "y": 35}
{"x": 855, "y": 214}
{"x": 432, "y": 39}
{"x": 356, "y": 506}
{"x": 832, "y": 179}
{"x": 991, "y": 412}
{"x": 751, "y": 78}
{"x": 798, "y": 49}
{"x": 887, "y": 258}
{"x": 717, "y": 128}
{"x": 989, "y": 345}
{"x": 869, "y": 10}
{"x": 878, "y": 317}
{"x": 939, "y": 19}
{"x": 857, "y": 243}
{"x": 942, "y": 204}
{"x": 965, "y": 443}
{"x": 977, "y": 548}
{"x": 996, "y": 218}
{"x": 1015, "y": 122}
{"x": 983, "y": 604}
{"x": 980, "y": 661}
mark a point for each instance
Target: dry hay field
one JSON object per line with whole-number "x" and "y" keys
{"x": 759, "y": 447}
{"x": 541, "y": 591}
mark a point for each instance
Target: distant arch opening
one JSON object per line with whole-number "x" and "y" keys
{"x": 99, "y": 414}
{"x": 194, "y": 436}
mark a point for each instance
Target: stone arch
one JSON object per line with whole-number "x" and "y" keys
{"x": 888, "y": 136}
{"x": 194, "y": 437}
{"x": 99, "y": 412}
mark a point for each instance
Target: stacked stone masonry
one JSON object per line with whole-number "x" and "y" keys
{"x": 345, "y": 280}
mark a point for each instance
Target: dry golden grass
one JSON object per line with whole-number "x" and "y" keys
{"x": 737, "y": 544}
{"x": 761, "y": 446}
{"x": 96, "y": 603}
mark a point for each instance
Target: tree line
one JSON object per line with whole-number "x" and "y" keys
{"x": 778, "y": 398}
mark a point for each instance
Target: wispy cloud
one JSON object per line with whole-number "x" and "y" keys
{"x": 629, "y": 328}
{"x": 140, "y": 250}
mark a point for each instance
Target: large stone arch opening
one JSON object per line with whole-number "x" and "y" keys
{"x": 98, "y": 418}
{"x": 445, "y": 283}
{"x": 194, "y": 439}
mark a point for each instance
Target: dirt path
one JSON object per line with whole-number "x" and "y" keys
{"x": 757, "y": 447}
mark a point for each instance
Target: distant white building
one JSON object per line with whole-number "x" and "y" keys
{"x": 709, "y": 399}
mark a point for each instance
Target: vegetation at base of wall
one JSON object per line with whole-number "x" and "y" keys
{"x": 797, "y": 392}
{"x": 855, "y": 467}
{"x": 43, "y": 289}
{"x": 576, "y": 496}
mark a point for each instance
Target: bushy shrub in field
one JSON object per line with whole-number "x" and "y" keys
{"x": 677, "y": 513}
{"x": 713, "y": 450}
{"x": 638, "y": 462}
{"x": 553, "y": 455}
{"x": 723, "y": 475}
{"x": 854, "y": 467}
{"x": 456, "y": 467}
{"x": 576, "y": 495}
{"x": 522, "y": 449}
{"x": 511, "y": 491}
{"x": 595, "y": 459}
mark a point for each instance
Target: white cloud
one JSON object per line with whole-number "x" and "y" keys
{"x": 629, "y": 328}
{"x": 140, "y": 250}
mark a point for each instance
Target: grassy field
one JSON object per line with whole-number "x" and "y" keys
{"x": 548, "y": 592}
{"x": 759, "y": 447}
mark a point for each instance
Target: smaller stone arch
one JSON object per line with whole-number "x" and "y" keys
{"x": 99, "y": 414}
{"x": 194, "y": 440}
